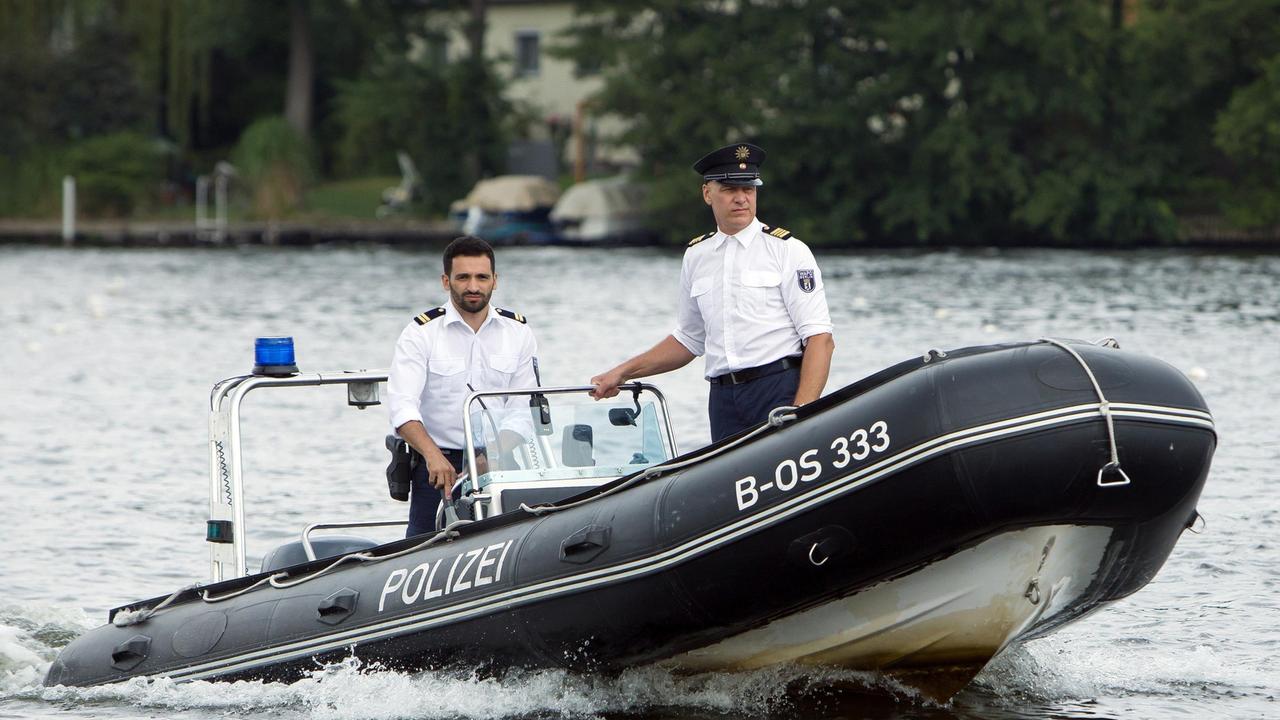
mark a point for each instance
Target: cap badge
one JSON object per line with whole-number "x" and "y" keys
{"x": 742, "y": 153}
{"x": 742, "y": 166}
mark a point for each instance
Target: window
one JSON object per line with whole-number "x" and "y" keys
{"x": 527, "y": 53}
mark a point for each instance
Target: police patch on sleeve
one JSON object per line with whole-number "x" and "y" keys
{"x": 805, "y": 279}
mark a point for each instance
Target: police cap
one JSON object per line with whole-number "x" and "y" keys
{"x": 737, "y": 164}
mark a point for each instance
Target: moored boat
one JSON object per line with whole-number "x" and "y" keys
{"x": 916, "y": 523}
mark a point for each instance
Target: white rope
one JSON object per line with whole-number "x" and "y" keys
{"x": 130, "y": 616}
{"x": 277, "y": 580}
{"x": 777, "y": 418}
{"x": 1104, "y": 406}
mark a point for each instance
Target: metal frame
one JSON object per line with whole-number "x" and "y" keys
{"x": 227, "y": 560}
{"x": 306, "y": 532}
{"x": 564, "y": 389}
{"x": 226, "y": 472}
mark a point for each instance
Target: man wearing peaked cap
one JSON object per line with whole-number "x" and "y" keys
{"x": 751, "y": 301}
{"x": 736, "y": 165}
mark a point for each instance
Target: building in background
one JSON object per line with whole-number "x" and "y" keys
{"x": 563, "y": 133}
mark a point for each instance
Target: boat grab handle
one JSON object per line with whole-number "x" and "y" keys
{"x": 1104, "y": 407}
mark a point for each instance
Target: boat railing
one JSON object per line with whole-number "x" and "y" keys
{"x": 306, "y": 532}
{"x": 226, "y": 525}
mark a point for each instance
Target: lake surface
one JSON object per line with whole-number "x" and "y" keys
{"x": 107, "y": 358}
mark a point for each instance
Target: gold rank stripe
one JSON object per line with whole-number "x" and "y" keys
{"x": 429, "y": 315}
{"x": 700, "y": 238}
{"x": 782, "y": 233}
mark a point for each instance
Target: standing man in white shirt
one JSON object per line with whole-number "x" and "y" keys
{"x": 444, "y": 354}
{"x": 751, "y": 301}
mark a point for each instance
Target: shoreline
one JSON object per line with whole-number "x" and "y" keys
{"x": 1195, "y": 233}
{"x": 152, "y": 234}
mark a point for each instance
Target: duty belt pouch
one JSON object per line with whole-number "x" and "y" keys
{"x": 400, "y": 469}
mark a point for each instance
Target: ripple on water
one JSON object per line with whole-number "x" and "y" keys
{"x": 108, "y": 452}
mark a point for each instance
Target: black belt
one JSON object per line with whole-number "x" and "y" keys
{"x": 747, "y": 375}
{"x": 449, "y": 454}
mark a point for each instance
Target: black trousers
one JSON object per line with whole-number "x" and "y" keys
{"x": 424, "y": 499}
{"x": 737, "y": 407}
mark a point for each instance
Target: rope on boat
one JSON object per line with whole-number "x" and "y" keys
{"x": 778, "y": 417}
{"x": 132, "y": 616}
{"x": 1104, "y": 406}
{"x": 278, "y": 580}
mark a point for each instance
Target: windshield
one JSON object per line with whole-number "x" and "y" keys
{"x": 564, "y": 433}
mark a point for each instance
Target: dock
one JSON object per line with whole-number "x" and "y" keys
{"x": 125, "y": 233}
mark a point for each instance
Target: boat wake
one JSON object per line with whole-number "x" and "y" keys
{"x": 350, "y": 690}
{"x": 31, "y": 637}
{"x": 1050, "y": 674}
{"x": 1080, "y": 668}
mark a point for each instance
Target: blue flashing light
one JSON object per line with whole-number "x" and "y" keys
{"x": 274, "y": 356}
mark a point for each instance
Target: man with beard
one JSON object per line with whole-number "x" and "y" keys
{"x": 444, "y": 354}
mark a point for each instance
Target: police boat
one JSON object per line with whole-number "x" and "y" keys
{"x": 914, "y": 523}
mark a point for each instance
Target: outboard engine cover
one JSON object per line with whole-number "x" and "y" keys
{"x": 292, "y": 553}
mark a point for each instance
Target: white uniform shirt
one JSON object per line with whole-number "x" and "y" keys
{"x": 744, "y": 302}
{"x": 435, "y": 361}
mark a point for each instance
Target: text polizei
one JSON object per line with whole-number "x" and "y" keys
{"x": 446, "y": 575}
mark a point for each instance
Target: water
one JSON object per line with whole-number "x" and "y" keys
{"x": 106, "y": 359}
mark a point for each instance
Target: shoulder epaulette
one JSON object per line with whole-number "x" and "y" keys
{"x": 778, "y": 232}
{"x": 700, "y": 238}
{"x": 428, "y": 316}
{"x": 511, "y": 314}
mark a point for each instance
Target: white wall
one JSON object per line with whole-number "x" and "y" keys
{"x": 555, "y": 90}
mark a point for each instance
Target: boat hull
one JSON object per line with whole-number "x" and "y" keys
{"x": 920, "y": 520}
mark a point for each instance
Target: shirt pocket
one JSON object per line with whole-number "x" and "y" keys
{"x": 761, "y": 291}
{"x": 446, "y": 376}
{"x": 504, "y": 366}
{"x": 701, "y": 294}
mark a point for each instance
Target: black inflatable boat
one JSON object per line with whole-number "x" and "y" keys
{"x": 916, "y": 523}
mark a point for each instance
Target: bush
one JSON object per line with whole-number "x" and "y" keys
{"x": 276, "y": 162}
{"x": 115, "y": 174}
{"x": 1248, "y": 131}
{"x": 450, "y": 119}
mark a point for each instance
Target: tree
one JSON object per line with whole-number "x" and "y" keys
{"x": 430, "y": 111}
{"x": 919, "y": 122}
{"x": 298, "y": 87}
{"x": 1248, "y": 131}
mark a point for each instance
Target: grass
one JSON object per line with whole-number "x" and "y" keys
{"x": 347, "y": 199}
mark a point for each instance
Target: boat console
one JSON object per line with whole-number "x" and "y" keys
{"x": 529, "y": 446}
{"x": 542, "y": 445}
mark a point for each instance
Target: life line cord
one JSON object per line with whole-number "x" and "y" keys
{"x": 777, "y": 418}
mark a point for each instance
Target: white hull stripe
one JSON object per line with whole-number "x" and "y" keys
{"x": 693, "y": 547}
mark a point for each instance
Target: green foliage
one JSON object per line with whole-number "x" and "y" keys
{"x": 447, "y": 117}
{"x": 54, "y": 97}
{"x": 1248, "y": 131}
{"x": 356, "y": 199}
{"x": 277, "y": 163}
{"x": 948, "y": 121}
{"x": 31, "y": 183}
{"x": 115, "y": 174}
